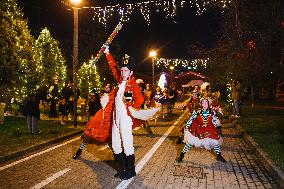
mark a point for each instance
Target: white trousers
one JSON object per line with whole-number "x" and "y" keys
{"x": 122, "y": 138}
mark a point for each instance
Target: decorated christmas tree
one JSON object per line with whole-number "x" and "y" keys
{"x": 88, "y": 78}
{"x": 52, "y": 62}
{"x": 18, "y": 60}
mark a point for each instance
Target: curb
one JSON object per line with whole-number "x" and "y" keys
{"x": 277, "y": 173}
{"x": 39, "y": 146}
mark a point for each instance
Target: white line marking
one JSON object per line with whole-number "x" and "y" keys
{"x": 124, "y": 184}
{"x": 50, "y": 179}
{"x": 37, "y": 154}
{"x": 104, "y": 147}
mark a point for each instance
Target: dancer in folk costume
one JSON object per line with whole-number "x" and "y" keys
{"x": 216, "y": 106}
{"x": 126, "y": 114}
{"x": 193, "y": 105}
{"x": 98, "y": 128}
{"x": 201, "y": 131}
{"x": 193, "y": 102}
{"x": 119, "y": 115}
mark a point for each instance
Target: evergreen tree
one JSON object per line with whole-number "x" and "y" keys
{"x": 52, "y": 62}
{"x": 245, "y": 49}
{"x": 18, "y": 60}
{"x": 88, "y": 78}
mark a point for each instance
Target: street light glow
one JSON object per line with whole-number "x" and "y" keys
{"x": 172, "y": 67}
{"x": 75, "y": 2}
{"x": 153, "y": 53}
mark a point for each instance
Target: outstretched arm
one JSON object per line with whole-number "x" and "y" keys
{"x": 112, "y": 64}
{"x": 192, "y": 117}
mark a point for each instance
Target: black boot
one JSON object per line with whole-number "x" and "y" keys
{"x": 220, "y": 131}
{"x": 121, "y": 159}
{"x": 78, "y": 153}
{"x": 220, "y": 158}
{"x": 115, "y": 157}
{"x": 147, "y": 128}
{"x": 181, "y": 156}
{"x": 179, "y": 140}
{"x": 130, "y": 168}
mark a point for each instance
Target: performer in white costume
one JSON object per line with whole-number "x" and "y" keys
{"x": 126, "y": 114}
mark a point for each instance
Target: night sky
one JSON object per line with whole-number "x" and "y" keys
{"x": 136, "y": 37}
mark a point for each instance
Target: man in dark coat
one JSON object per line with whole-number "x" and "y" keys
{"x": 31, "y": 111}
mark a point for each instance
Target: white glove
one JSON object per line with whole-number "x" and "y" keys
{"x": 106, "y": 47}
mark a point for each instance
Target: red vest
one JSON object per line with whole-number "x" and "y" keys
{"x": 202, "y": 128}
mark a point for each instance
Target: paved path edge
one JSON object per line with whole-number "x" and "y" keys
{"x": 39, "y": 146}
{"x": 277, "y": 173}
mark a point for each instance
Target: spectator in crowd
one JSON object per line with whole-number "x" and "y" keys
{"x": 149, "y": 97}
{"x": 173, "y": 95}
{"x": 236, "y": 98}
{"x": 62, "y": 109}
{"x": 53, "y": 98}
{"x": 93, "y": 103}
{"x": 67, "y": 93}
{"x": 148, "y": 103}
{"x": 32, "y": 113}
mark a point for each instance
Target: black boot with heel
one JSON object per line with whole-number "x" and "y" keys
{"x": 78, "y": 153}
{"x": 121, "y": 159}
{"x": 130, "y": 168}
{"x": 181, "y": 156}
{"x": 220, "y": 158}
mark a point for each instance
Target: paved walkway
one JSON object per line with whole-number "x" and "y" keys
{"x": 155, "y": 164}
{"x": 199, "y": 168}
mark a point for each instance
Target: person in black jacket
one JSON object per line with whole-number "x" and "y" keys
{"x": 31, "y": 111}
{"x": 93, "y": 104}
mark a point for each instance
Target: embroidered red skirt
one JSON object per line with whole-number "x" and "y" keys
{"x": 99, "y": 127}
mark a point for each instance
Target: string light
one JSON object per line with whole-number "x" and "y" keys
{"x": 169, "y": 7}
{"x": 203, "y": 5}
{"x": 229, "y": 100}
{"x": 188, "y": 64}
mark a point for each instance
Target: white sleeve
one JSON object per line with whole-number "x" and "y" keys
{"x": 189, "y": 122}
{"x": 214, "y": 119}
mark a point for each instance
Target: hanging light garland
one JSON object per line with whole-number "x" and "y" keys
{"x": 188, "y": 64}
{"x": 169, "y": 7}
{"x": 125, "y": 10}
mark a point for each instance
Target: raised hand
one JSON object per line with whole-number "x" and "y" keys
{"x": 106, "y": 48}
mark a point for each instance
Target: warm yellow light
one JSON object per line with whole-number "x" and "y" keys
{"x": 153, "y": 53}
{"x": 75, "y": 2}
{"x": 172, "y": 67}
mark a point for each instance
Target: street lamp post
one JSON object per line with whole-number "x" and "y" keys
{"x": 153, "y": 55}
{"x": 75, "y": 58}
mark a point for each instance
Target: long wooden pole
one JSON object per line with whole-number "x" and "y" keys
{"x": 109, "y": 40}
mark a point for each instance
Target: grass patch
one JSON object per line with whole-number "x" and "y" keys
{"x": 14, "y": 134}
{"x": 266, "y": 126}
